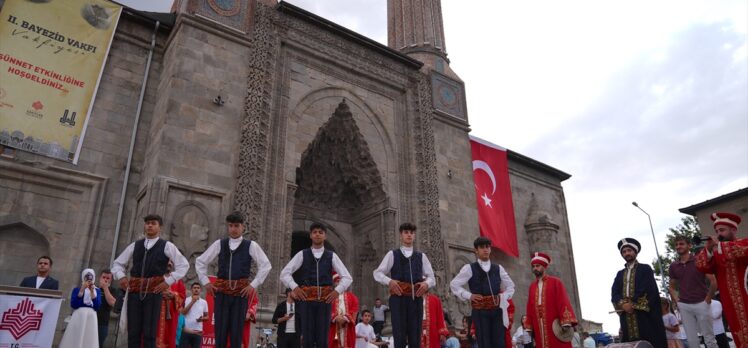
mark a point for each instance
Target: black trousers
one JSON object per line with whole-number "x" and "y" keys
{"x": 229, "y": 314}
{"x": 407, "y": 319}
{"x": 315, "y": 323}
{"x": 289, "y": 340}
{"x": 489, "y": 328}
{"x": 103, "y": 332}
{"x": 142, "y": 319}
{"x": 378, "y": 327}
{"x": 190, "y": 340}
{"x": 722, "y": 341}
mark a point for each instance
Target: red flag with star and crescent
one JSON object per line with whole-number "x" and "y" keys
{"x": 494, "y": 195}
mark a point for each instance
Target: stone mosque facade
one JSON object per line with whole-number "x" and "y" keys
{"x": 268, "y": 109}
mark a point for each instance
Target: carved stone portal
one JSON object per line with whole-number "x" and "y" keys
{"x": 339, "y": 184}
{"x": 337, "y": 171}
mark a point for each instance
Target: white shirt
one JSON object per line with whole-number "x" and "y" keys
{"x": 576, "y": 340}
{"x": 286, "y": 274}
{"x": 589, "y": 342}
{"x": 670, "y": 321}
{"x": 291, "y": 322}
{"x": 380, "y": 274}
{"x": 367, "y": 331}
{"x": 39, "y": 281}
{"x": 521, "y": 336}
{"x": 507, "y": 285}
{"x": 255, "y": 251}
{"x": 199, "y": 309}
{"x": 181, "y": 265}
{"x": 627, "y": 279}
{"x": 681, "y": 334}
{"x": 379, "y": 312}
{"x": 717, "y": 324}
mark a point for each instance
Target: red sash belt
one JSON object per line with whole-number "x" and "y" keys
{"x": 231, "y": 287}
{"x": 144, "y": 285}
{"x": 487, "y": 302}
{"x": 407, "y": 289}
{"x": 316, "y": 293}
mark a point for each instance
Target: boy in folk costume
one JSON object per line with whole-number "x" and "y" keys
{"x": 232, "y": 287}
{"x": 150, "y": 258}
{"x": 315, "y": 294}
{"x": 547, "y": 303}
{"x": 343, "y": 322}
{"x": 490, "y": 290}
{"x": 406, "y": 267}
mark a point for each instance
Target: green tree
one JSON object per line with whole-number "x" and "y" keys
{"x": 689, "y": 228}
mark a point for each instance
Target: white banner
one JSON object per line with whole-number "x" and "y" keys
{"x": 28, "y": 322}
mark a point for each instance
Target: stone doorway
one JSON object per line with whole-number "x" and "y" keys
{"x": 338, "y": 184}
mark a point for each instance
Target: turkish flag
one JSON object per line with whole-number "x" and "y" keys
{"x": 494, "y": 195}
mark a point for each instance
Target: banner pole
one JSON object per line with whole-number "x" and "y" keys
{"x": 121, "y": 208}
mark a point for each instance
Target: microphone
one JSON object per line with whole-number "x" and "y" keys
{"x": 697, "y": 239}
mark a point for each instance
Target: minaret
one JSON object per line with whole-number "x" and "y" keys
{"x": 415, "y": 27}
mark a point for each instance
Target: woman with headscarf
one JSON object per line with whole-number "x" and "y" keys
{"x": 83, "y": 329}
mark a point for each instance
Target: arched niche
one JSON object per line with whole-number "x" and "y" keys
{"x": 20, "y": 247}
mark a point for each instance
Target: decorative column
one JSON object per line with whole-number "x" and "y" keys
{"x": 416, "y": 26}
{"x": 542, "y": 232}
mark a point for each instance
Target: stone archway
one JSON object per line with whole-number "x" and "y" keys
{"x": 20, "y": 246}
{"x": 339, "y": 184}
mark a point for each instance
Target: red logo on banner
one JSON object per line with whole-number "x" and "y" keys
{"x": 37, "y": 105}
{"x": 22, "y": 319}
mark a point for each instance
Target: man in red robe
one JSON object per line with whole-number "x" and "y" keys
{"x": 343, "y": 318}
{"x": 547, "y": 301}
{"x": 509, "y": 310}
{"x": 172, "y": 302}
{"x": 433, "y": 322}
{"x": 251, "y": 318}
{"x": 727, "y": 259}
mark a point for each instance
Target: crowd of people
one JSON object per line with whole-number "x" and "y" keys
{"x": 693, "y": 312}
{"x": 320, "y": 312}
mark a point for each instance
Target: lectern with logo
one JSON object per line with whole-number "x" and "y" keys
{"x": 28, "y": 317}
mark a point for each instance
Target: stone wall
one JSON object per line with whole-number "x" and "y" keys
{"x": 540, "y": 208}
{"x": 735, "y": 202}
{"x": 195, "y": 160}
{"x": 69, "y": 211}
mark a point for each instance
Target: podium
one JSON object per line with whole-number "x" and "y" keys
{"x": 28, "y": 316}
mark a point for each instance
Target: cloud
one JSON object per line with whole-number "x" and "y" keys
{"x": 683, "y": 116}
{"x": 366, "y": 17}
{"x": 669, "y": 129}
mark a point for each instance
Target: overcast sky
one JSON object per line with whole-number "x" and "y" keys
{"x": 641, "y": 101}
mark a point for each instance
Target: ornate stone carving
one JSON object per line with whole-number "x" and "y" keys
{"x": 337, "y": 172}
{"x": 250, "y": 188}
{"x": 220, "y": 7}
{"x": 427, "y": 188}
{"x": 236, "y": 14}
{"x": 388, "y": 217}
{"x": 448, "y": 95}
{"x": 328, "y": 44}
{"x": 416, "y": 26}
{"x": 189, "y": 232}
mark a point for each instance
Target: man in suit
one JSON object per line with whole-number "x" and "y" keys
{"x": 289, "y": 328}
{"x": 42, "y": 280}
